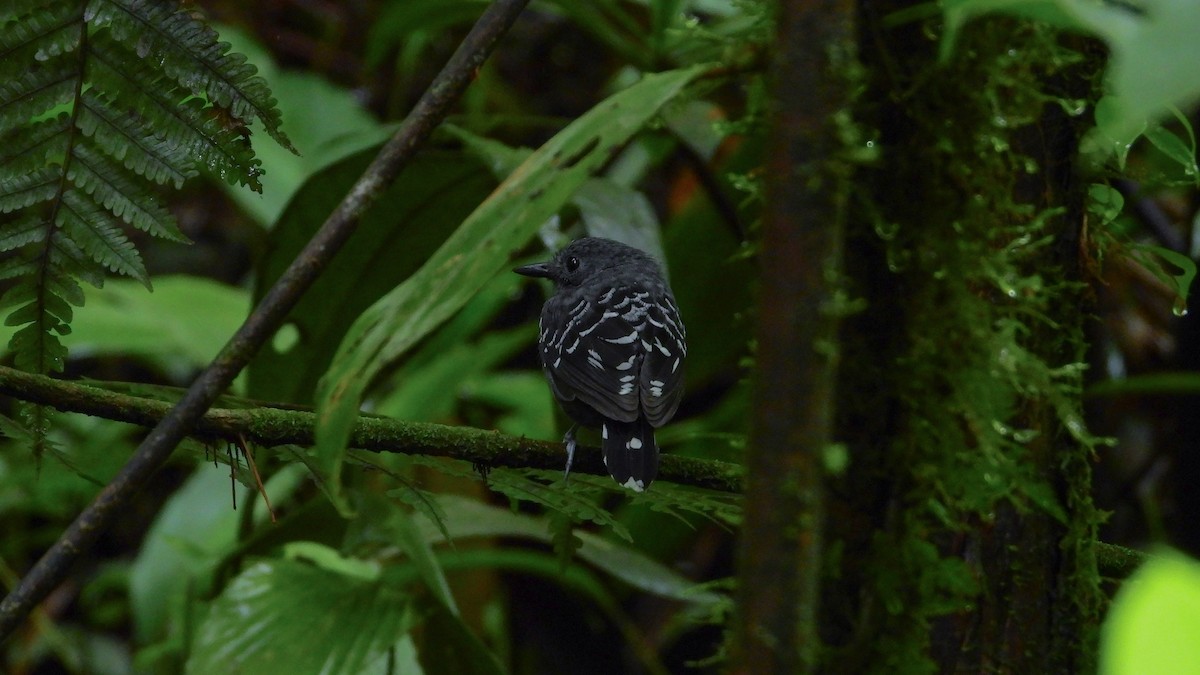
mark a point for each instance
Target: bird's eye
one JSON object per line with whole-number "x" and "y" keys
{"x": 572, "y": 264}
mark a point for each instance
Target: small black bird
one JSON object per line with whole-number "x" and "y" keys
{"x": 612, "y": 349}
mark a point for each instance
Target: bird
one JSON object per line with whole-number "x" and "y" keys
{"x": 612, "y": 347}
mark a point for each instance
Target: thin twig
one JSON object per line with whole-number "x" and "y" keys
{"x": 429, "y": 111}
{"x": 262, "y": 490}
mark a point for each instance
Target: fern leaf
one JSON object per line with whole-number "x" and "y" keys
{"x": 17, "y": 267}
{"x": 107, "y": 183}
{"x": 132, "y": 141}
{"x": 32, "y": 188}
{"x": 27, "y": 229}
{"x": 35, "y": 91}
{"x": 151, "y": 98}
{"x": 67, "y": 257}
{"x": 32, "y": 148}
{"x": 66, "y": 288}
{"x": 190, "y": 53}
{"x": 178, "y": 117}
{"x": 91, "y": 227}
{"x": 36, "y": 349}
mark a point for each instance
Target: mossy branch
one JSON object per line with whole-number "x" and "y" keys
{"x": 270, "y": 426}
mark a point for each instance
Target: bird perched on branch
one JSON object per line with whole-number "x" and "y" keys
{"x": 612, "y": 347}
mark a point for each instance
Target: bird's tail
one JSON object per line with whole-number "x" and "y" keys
{"x": 630, "y": 453}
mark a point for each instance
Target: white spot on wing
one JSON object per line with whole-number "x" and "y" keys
{"x": 635, "y": 443}
{"x": 635, "y": 485}
{"x": 623, "y": 340}
{"x": 661, "y": 348}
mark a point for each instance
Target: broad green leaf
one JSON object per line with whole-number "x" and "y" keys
{"x": 1150, "y": 44}
{"x": 1154, "y": 623}
{"x": 614, "y": 211}
{"x": 449, "y": 647}
{"x": 287, "y": 616}
{"x": 431, "y": 391}
{"x": 476, "y": 251}
{"x": 194, "y": 532}
{"x": 420, "y": 554}
{"x": 1181, "y": 152}
{"x": 1178, "y": 276}
{"x": 393, "y": 239}
{"x": 466, "y": 518}
{"x": 181, "y": 325}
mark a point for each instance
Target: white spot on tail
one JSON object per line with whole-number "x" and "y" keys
{"x": 635, "y": 485}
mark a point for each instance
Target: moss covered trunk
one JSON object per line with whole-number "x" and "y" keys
{"x": 962, "y": 528}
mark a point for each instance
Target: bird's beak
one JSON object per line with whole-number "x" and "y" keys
{"x": 536, "y": 270}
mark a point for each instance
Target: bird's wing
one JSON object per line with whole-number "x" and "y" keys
{"x": 661, "y": 376}
{"x": 592, "y": 352}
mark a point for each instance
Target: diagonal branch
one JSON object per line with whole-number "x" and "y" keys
{"x": 429, "y": 111}
{"x": 267, "y": 426}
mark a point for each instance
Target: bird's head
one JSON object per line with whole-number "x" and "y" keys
{"x": 586, "y": 258}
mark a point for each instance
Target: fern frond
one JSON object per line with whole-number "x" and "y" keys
{"x": 150, "y": 98}
{"x": 35, "y": 347}
{"x": 30, "y": 227}
{"x": 109, "y": 185}
{"x": 35, "y": 91}
{"x": 35, "y": 146}
{"x": 16, "y": 267}
{"x": 132, "y": 141}
{"x": 92, "y": 228}
{"x": 52, "y": 30}
{"x": 32, "y": 188}
{"x": 179, "y": 118}
{"x": 188, "y": 51}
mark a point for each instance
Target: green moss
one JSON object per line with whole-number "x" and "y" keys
{"x": 985, "y": 383}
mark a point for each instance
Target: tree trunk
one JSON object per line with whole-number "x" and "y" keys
{"x": 958, "y": 538}
{"x": 781, "y": 550}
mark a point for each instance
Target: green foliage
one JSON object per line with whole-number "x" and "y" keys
{"x": 214, "y": 589}
{"x": 306, "y": 614}
{"x": 478, "y": 249}
{"x": 394, "y": 239}
{"x": 986, "y": 378}
{"x": 1153, "y": 36}
{"x": 102, "y": 100}
{"x": 1154, "y": 623}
